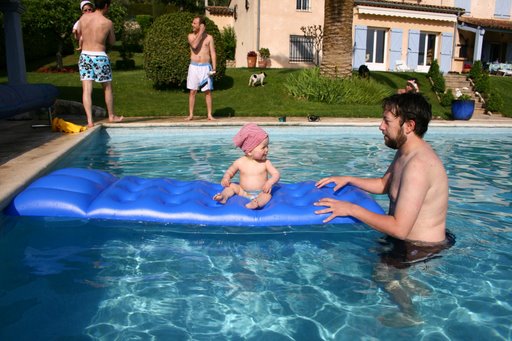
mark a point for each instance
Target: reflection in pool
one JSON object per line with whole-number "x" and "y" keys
{"x": 94, "y": 279}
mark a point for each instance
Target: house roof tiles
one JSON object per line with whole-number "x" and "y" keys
{"x": 220, "y": 10}
{"x": 410, "y": 6}
{"x": 488, "y": 23}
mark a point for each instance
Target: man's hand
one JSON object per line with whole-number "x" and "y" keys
{"x": 337, "y": 208}
{"x": 340, "y": 181}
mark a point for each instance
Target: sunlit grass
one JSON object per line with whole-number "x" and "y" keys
{"x": 135, "y": 96}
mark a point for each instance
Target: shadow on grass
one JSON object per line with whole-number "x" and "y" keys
{"x": 396, "y": 80}
{"x": 225, "y": 83}
{"x": 224, "y": 112}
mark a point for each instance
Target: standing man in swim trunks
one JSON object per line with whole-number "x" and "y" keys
{"x": 417, "y": 186}
{"x": 94, "y": 64}
{"x": 203, "y": 63}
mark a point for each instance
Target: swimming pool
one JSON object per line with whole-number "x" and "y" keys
{"x": 80, "y": 279}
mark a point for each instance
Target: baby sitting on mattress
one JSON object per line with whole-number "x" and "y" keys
{"x": 254, "y": 169}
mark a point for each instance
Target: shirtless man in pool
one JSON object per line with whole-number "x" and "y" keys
{"x": 416, "y": 184}
{"x": 94, "y": 65}
{"x": 203, "y": 62}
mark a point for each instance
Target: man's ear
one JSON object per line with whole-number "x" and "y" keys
{"x": 410, "y": 125}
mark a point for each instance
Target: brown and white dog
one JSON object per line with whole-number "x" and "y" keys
{"x": 257, "y": 78}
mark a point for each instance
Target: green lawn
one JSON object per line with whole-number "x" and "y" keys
{"x": 135, "y": 96}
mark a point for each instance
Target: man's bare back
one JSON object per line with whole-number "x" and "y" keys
{"x": 97, "y": 31}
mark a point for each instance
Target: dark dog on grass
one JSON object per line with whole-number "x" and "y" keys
{"x": 257, "y": 78}
{"x": 364, "y": 72}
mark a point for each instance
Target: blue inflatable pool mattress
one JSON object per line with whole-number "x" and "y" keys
{"x": 87, "y": 193}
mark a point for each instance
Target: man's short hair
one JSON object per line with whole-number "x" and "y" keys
{"x": 202, "y": 19}
{"x": 410, "y": 107}
{"x": 100, "y": 4}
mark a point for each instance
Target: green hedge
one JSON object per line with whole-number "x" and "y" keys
{"x": 167, "y": 53}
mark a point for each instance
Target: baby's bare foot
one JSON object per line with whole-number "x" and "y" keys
{"x": 253, "y": 204}
{"x": 220, "y": 198}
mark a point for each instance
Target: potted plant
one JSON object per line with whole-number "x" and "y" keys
{"x": 463, "y": 107}
{"x": 466, "y": 68}
{"x": 264, "y": 57}
{"x": 251, "y": 59}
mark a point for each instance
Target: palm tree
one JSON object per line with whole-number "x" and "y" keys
{"x": 337, "y": 43}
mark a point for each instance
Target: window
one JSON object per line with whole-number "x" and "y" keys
{"x": 375, "y": 45}
{"x": 303, "y": 5}
{"x": 301, "y": 49}
{"x": 427, "y": 50}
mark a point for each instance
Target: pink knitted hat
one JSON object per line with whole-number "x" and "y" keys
{"x": 249, "y": 137}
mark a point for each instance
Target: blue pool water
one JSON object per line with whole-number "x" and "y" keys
{"x": 72, "y": 279}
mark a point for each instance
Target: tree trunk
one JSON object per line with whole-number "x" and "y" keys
{"x": 60, "y": 64}
{"x": 337, "y": 43}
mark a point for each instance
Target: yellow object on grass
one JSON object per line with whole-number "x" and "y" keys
{"x": 58, "y": 124}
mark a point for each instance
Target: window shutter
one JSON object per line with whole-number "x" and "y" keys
{"x": 413, "y": 49}
{"x": 502, "y": 9}
{"x": 395, "y": 51}
{"x": 466, "y": 4}
{"x": 359, "y": 55}
{"x": 445, "y": 63}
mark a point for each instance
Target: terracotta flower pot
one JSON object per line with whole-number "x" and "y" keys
{"x": 251, "y": 61}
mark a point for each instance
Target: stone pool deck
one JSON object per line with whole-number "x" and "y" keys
{"x": 26, "y": 153}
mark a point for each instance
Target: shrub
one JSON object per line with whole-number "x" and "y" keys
{"x": 144, "y": 21}
{"x": 229, "y": 38}
{"x": 447, "y": 98}
{"x": 167, "y": 53}
{"x": 310, "y": 85}
{"x": 494, "y": 102}
{"x": 483, "y": 83}
{"x": 435, "y": 74}
{"x": 476, "y": 70}
{"x": 264, "y": 53}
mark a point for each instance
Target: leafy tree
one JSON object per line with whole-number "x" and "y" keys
{"x": 337, "y": 41}
{"x": 54, "y": 19}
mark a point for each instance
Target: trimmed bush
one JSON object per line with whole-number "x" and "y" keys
{"x": 447, "y": 98}
{"x": 145, "y": 22}
{"x": 229, "y": 37}
{"x": 435, "y": 74}
{"x": 167, "y": 53}
{"x": 494, "y": 102}
{"x": 476, "y": 70}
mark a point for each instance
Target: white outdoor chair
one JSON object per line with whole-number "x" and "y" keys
{"x": 401, "y": 66}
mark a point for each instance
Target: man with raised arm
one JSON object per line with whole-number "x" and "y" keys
{"x": 203, "y": 62}
{"x": 94, "y": 65}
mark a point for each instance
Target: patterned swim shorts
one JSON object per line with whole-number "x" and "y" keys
{"x": 95, "y": 67}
